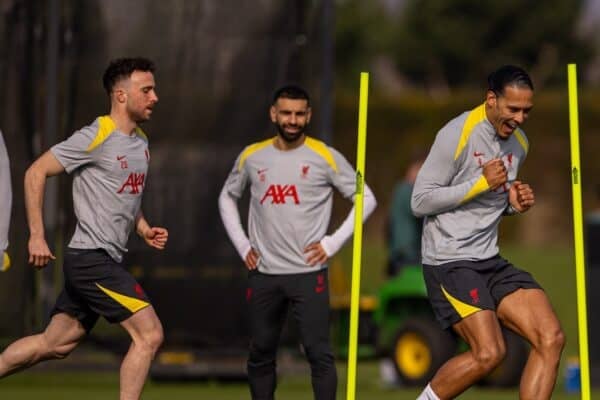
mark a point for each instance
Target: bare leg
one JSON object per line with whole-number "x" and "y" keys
{"x": 146, "y": 333}
{"x": 61, "y": 336}
{"x": 528, "y": 312}
{"x": 482, "y": 332}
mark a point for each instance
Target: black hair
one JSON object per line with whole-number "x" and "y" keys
{"x": 291, "y": 92}
{"x": 508, "y": 75}
{"x": 122, "y": 68}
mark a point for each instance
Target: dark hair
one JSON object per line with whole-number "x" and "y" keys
{"x": 508, "y": 75}
{"x": 291, "y": 92}
{"x": 122, "y": 68}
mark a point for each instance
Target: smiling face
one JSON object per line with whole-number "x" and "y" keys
{"x": 507, "y": 111}
{"x": 291, "y": 116}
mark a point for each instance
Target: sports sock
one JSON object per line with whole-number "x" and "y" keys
{"x": 428, "y": 394}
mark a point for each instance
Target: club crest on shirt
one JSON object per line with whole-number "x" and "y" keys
{"x": 304, "y": 172}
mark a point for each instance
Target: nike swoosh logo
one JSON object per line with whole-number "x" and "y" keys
{"x": 477, "y": 154}
{"x": 119, "y": 158}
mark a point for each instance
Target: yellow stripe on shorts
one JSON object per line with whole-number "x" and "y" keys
{"x": 463, "y": 309}
{"x": 130, "y": 303}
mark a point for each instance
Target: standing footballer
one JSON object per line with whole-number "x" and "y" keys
{"x": 109, "y": 162}
{"x": 467, "y": 183}
{"x": 291, "y": 179}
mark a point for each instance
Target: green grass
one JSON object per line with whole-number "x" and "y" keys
{"x": 102, "y": 385}
{"x": 553, "y": 268}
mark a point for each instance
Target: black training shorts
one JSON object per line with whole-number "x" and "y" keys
{"x": 460, "y": 288}
{"x": 95, "y": 284}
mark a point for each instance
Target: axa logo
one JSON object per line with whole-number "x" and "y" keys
{"x": 134, "y": 183}
{"x": 280, "y": 194}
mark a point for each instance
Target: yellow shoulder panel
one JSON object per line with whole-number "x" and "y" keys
{"x": 106, "y": 126}
{"x": 252, "y": 149}
{"x": 141, "y": 133}
{"x": 321, "y": 149}
{"x": 475, "y": 116}
{"x": 520, "y": 135}
{"x": 130, "y": 303}
{"x": 463, "y": 309}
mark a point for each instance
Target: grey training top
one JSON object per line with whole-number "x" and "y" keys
{"x": 5, "y": 196}
{"x": 290, "y": 199}
{"x": 109, "y": 174}
{"x": 461, "y": 212}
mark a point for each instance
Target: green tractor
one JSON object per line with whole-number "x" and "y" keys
{"x": 398, "y": 324}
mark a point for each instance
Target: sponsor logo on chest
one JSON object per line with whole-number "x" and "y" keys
{"x": 134, "y": 183}
{"x": 281, "y": 193}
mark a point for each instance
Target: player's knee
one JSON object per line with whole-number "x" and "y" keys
{"x": 320, "y": 355}
{"x": 150, "y": 340}
{"x": 490, "y": 356}
{"x": 154, "y": 339}
{"x": 551, "y": 341}
{"x": 262, "y": 351}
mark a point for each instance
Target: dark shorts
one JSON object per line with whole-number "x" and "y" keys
{"x": 96, "y": 285}
{"x": 461, "y": 288}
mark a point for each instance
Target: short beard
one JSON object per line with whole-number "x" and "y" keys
{"x": 287, "y": 137}
{"x": 138, "y": 118}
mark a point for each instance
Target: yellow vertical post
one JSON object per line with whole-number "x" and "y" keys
{"x": 357, "y": 245}
{"x": 578, "y": 231}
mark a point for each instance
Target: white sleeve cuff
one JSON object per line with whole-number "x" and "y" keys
{"x": 233, "y": 224}
{"x": 333, "y": 243}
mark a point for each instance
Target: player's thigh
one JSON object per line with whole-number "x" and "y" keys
{"x": 456, "y": 291}
{"x": 64, "y": 332}
{"x": 267, "y": 308}
{"x": 481, "y": 331}
{"x": 309, "y": 295}
{"x": 529, "y": 313}
{"x": 104, "y": 285}
{"x": 144, "y": 325}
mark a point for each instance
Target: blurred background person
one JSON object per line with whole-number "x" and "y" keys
{"x": 403, "y": 228}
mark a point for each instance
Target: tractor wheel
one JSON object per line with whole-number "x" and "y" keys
{"x": 420, "y": 347}
{"x": 508, "y": 373}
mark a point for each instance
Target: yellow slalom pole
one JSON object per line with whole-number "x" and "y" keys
{"x": 357, "y": 245}
{"x": 578, "y": 224}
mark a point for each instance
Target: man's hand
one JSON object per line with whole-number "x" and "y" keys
{"x": 495, "y": 173}
{"x": 316, "y": 254}
{"x": 39, "y": 252}
{"x": 251, "y": 259}
{"x": 156, "y": 237}
{"x": 520, "y": 196}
